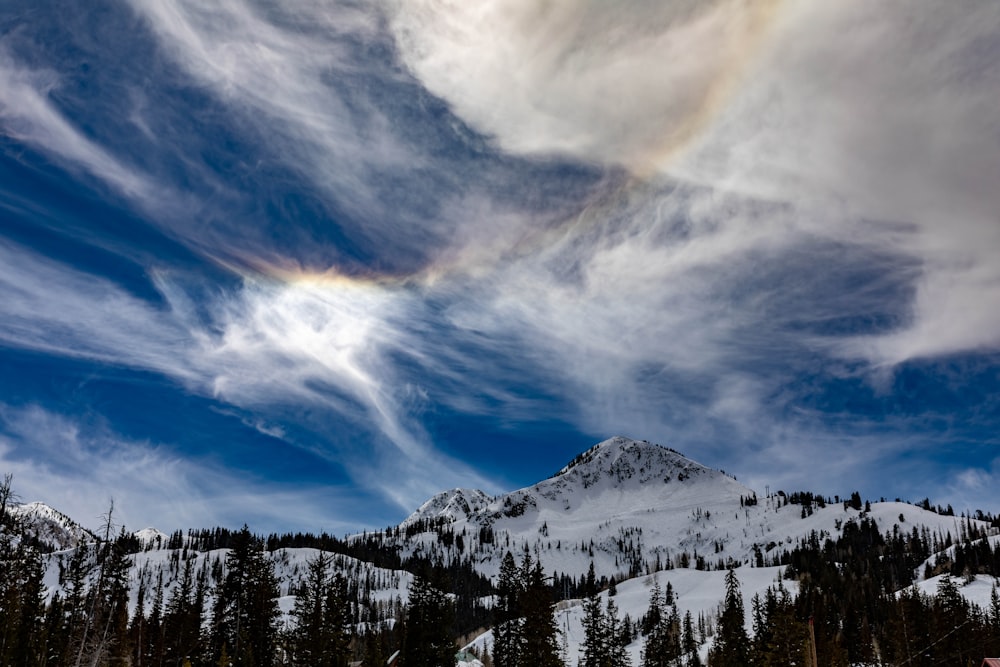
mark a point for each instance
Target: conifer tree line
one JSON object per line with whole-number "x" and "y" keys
{"x": 669, "y": 641}
{"x": 851, "y": 608}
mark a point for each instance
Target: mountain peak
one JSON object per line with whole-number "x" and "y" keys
{"x": 50, "y": 526}
{"x": 453, "y": 504}
{"x": 622, "y": 458}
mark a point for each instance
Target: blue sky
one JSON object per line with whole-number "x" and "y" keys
{"x": 303, "y": 265}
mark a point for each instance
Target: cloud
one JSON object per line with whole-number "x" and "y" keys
{"x": 876, "y": 124}
{"x": 882, "y": 113}
{"x": 774, "y": 198}
{"x": 79, "y": 465}
{"x": 271, "y": 349}
{"x": 621, "y": 84}
{"x": 28, "y": 115}
{"x": 337, "y": 344}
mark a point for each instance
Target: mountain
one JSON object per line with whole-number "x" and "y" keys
{"x": 633, "y": 507}
{"x": 639, "y": 512}
{"x": 49, "y": 527}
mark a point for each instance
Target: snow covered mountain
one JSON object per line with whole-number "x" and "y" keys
{"x": 636, "y": 510}
{"x": 49, "y": 526}
{"x": 633, "y": 507}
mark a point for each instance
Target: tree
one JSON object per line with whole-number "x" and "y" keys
{"x": 661, "y": 625}
{"x": 616, "y": 639}
{"x": 780, "y": 639}
{"x": 540, "y": 632}
{"x": 507, "y": 637}
{"x": 246, "y": 609}
{"x": 732, "y": 646}
{"x": 182, "y": 618}
{"x": 22, "y": 609}
{"x": 689, "y": 644}
{"x": 320, "y": 636}
{"x": 595, "y": 640}
{"x": 429, "y": 617}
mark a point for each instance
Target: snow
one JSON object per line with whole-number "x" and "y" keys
{"x": 50, "y": 526}
{"x": 976, "y": 592}
{"x": 649, "y": 499}
{"x": 628, "y": 507}
{"x": 697, "y": 591}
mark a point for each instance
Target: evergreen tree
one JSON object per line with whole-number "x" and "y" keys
{"x": 428, "y": 641}
{"x": 595, "y": 641}
{"x": 246, "y": 609}
{"x": 182, "y": 619}
{"x": 950, "y": 611}
{"x": 780, "y": 639}
{"x": 338, "y": 622}
{"x": 540, "y": 632}
{"x": 689, "y": 643}
{"x": 616, "y": 640}
{"x": 374, "y": 655}
{"x": 22, "y": 610}
{"x": 507, "y": 639}
{"x": 661, "y": 647}
{"x": 320, "y": 636}
{"x": 732, "y": 646}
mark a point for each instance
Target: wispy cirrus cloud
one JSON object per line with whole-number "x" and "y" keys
{"x": 28, "y": 115}
{"x": 848, "y": 113}
{"x": 684, "y": 222}
{"x": 80, "y": 465}
{"x": 271, "y": 349}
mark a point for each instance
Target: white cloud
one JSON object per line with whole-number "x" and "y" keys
{"x": 846, "y": 112}
{"x": 272, "y": 346}
{"x": 612, "y": 82}
{"x": 810, "y": 139}
{"x": 28, "y": 115}
{"x": 278, "y": 70}
{"x": 79, "y": 468}
{"x": 882, "y": 112}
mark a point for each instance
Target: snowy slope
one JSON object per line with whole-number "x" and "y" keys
{"x": 632, "y": 507}
{"x": 386, "y": 586}
{"x": 697, "y": 591}
{"x": 50, "y": 526}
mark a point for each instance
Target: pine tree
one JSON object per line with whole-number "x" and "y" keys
{"x": 689, "y": 644}
{"x": 782, "y": 639}
{"x": 429, "y": 617}
{"x": 540, "y": 632}
{"x": 595, "y": 640}
{"x": 246, "y": 610}
{"x": 732, "y": 646}
{"x": 22, "y": 609}
{"x": 374, "y": 655}
{"x": 661, "y": 624}
{"x": 320, "y": 636}
{"x": 111, "y": 615}
{"x": 507, "y": 637}
{"x": 182, "y": 619}
{"x": 616, "y": 640}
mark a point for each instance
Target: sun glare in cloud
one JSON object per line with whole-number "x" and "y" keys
{"x": 596, "y": 81}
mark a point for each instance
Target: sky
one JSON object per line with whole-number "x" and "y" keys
{"x": 303, "y": 265}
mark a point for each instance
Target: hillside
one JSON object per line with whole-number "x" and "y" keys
{"x": 638, "y": 512}
{"x": 633, "y": 507}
